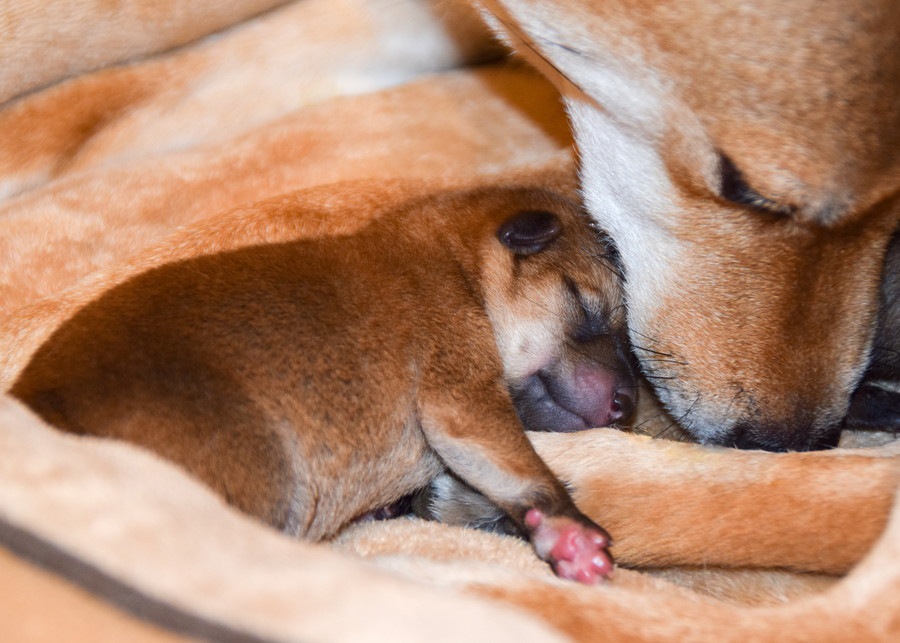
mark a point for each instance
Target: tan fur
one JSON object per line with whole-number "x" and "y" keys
{"x": 117, "y": 31}
{"x": 249, "y": 367}
{"x": 429, "y": 569}
{"x": 720, "y": 507}
{"x": 449, "y": 544}
{"x": 75, "y": 230}
{"x": 45, "y": 231}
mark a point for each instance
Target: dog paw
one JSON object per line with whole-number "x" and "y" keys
{"x": 574, "y": 550}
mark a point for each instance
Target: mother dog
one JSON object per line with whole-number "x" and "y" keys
{"x": 743, "y": 156}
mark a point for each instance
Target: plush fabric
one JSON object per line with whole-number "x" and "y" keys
{"x": 131, "y": 138}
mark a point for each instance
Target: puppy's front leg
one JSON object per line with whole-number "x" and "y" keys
{"x": 478, "y": 436}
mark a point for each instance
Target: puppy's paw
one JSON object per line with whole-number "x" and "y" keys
{"x": 576, "y": 551}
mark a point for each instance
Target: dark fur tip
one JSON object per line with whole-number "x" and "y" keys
{"x": 530, "y": 231}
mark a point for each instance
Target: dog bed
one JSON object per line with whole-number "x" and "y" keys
{"x": 137, "y": 133}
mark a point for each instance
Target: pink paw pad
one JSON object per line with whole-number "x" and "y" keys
{"x": 575, "y": 551}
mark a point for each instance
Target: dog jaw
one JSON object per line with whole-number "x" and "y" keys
{"x": 753, "y": 315}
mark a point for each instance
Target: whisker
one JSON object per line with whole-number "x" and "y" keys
{"x": 670, "y": 427}
{"x": 647, "y": 337}
{"x": 655, "y": 352}
{"x": 682, "y": 422}
{"x": 664, "y": 360}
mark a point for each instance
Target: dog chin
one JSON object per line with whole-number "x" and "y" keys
{"x": 776, "y": 437}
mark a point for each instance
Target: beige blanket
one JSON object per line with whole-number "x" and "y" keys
{"x": 131, "y": 134}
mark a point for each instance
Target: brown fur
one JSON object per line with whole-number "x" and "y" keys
{"x": 65, "y": 237}
{"x": 249, "y": 367}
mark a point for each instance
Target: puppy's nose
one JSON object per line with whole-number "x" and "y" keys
{"x": 781, "y": 438}
{"x": 622, "y": 407}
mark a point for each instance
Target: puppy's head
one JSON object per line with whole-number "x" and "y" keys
{"x": 553, "y": 293}
{"x": 743, "y": 158}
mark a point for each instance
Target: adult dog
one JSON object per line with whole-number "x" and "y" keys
{"x": 743, "y": 157}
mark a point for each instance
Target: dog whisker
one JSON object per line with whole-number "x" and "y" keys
{"x": 665, "y": 360}
{"x": 647, "y": 337}
{"x": 680, "y": 423}
{"x": 654, "y": 352}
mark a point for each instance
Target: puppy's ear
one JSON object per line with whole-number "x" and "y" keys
{"x": 530, "y": 231}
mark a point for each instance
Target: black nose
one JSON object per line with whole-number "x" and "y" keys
{"x": 746, "y": 435}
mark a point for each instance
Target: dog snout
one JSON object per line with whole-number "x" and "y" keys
{"x": 780, "y": 438}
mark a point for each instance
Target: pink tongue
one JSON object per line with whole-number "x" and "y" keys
{"x": 595, "y": 397}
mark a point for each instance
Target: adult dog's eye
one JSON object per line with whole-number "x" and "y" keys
{"x": 735, "y": 189}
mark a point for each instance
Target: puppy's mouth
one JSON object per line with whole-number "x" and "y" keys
{"x": 539, "y": 410}
{"x": 586, "y": 396}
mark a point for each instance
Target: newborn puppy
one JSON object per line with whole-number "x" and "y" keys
{"x": 314, "y": 381}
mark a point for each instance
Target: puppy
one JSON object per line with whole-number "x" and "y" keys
{"x": 743, "y": 157}
{"x": 314, "y": 381}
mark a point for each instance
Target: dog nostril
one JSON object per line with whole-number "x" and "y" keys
{"x": 622, "y": 407}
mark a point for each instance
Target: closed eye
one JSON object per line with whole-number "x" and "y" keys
{"x": 735, "y": 189}
{"x": 594, "y": 321}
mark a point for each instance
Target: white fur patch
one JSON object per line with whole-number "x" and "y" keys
{"x": 625, "y": 115}
{"x": 525, "y": 345}
{"x": 627, "y": 190}
{"x": 12, "y": 186}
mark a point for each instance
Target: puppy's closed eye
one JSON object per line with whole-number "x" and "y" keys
{"x": 595, "y": 322}
{"x": 735, "y": 189}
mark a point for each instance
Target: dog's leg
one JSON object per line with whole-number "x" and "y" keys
{"x": 686, "y": 505}
{"x": 486, "y": 446}
{"x": 862, "y": 607}
{"x": 671, "y": 503}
